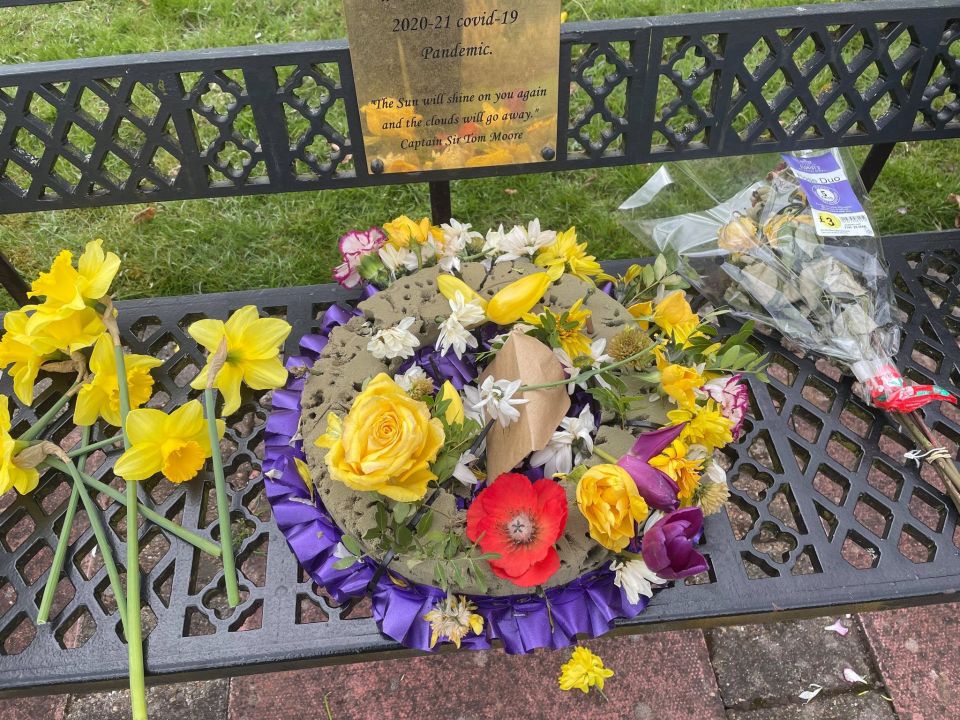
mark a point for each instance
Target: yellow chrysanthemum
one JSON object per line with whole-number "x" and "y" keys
{"x": 684, "y": 471}
{"x": 253, "y": 353}
{"x": 11, "y": 474}
{"x": 570, "y": 325}
{"x": 403, "y": 231}
{"x": 68, "y": 288}
{"x": 678, "y": 381}
{"x": 176, "y": 445}
{"x": 675, "y": 317}
{"x": 705, "y": 425}
{"x": 583, "y": 671}
{"x": 101, "y": 396}
{"x": 453, "y": 618}
{"x": 565, "y": 255}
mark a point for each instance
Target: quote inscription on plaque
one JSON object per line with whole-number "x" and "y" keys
{"x": 447, "y": 84}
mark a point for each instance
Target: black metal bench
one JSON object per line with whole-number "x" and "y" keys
{"x": 825, "y": 516}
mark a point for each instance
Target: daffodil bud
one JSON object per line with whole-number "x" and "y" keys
{"x": 450, "y": 285}
{"x": 517, "y": 298}
{"x": 454, "y": 412}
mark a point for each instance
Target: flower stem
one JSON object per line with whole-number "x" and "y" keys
{"x": 53, "y": 579}
{"x": 33, "y": 432}
{"x": 138, "y": 693}
{"x": 604, "y": 455}
{"x": 88, "y": 447}
{"x": 587, "y": 374}
{"x": 223, "y": 502}
{"x": 945, "y": 468}
{"x": 201, "y": 543}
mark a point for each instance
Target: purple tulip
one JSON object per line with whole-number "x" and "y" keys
{"x": 668, "y": 547}
{"x": 656, "y": 487}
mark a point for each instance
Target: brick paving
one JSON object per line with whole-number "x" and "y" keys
{"x": 910, "y": 660}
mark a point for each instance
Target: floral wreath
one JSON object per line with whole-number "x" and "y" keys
{"x": 530, "y": 412}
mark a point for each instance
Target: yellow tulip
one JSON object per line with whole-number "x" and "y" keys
{"x": 11, "y": 474}
{"x": 385, "y": 444}
{"x": 253, "y": 353}
{"x": 449, "y": 286}
{"x": 517, "y": 298}
{"x": 69, "y": 288}
{"x": 101, "y": 396}
{"x": 608, "y": 498}
{"x": 454, "y": 413}
{"x": 176, "y": 445}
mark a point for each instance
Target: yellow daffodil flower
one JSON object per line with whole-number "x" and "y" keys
{"x": 583, "y": 671}
{"x": 684, "y": 471}
{"x": 67, "y": 330}
{"x": 705, "y": 425}
{"x": 101, "y": 396}
{"x": 674, "y": 316}
{"x": 569, "y": 328}
{"x": 68, "y": 288}
{"x": 11, "y": 474}
{"x": 454, "y": 414}
{"x": 176, "y": 445}
{"x": 510, "y": 303}
{"x": 566, "y": 255}
{"x": 678, "y": 381}
{"x": 253, "y": 353}
{"x": 24, "y": 352}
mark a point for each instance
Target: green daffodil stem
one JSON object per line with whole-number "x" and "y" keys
{"x": 33, "y": 432}
{"x": 60, "y": 554}
{"x": 223, "y": 502}
{"x": 201, "y": 543}
{"x": 587, "y": 374}
{"x": 138, "y": 693}
{"x": 604, "y": 455}
{"x": 87, "y": 447}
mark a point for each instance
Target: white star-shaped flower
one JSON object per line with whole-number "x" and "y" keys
{"x": 495, "y": 397}
{"x": 635, "y": 578}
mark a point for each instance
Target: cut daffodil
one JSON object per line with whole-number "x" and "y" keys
{"x": 13, "y": 475}
{"x": 176, "y": 445}
{"x": 101, "y": 396}
{"x": 253, "y": 353}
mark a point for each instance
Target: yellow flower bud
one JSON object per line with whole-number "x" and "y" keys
{"x": 449, "y": 286}
{"x": 517, "y": 298}
{"x": 454, "y": 412}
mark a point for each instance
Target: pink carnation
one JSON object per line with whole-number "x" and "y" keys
{"x": 733, "y": 398}
{"x": 354, "y": 246}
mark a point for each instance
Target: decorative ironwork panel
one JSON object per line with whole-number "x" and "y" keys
{"x": 825, "y": 512}
{"x": 283, "y": 118}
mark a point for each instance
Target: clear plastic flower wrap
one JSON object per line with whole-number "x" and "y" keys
{"x": 786, "y": 241}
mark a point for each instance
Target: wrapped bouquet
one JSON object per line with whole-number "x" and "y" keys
{"x": 796, "y": 251}
{"x": 501, "y": 442}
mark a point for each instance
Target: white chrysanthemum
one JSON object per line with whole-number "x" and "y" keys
{"x": 454, "y": 336}
{"x": 635, "y": 578}
{"x": 406, "y": 380}
{"x": 495, "y": 397}
{"x": 468, "y": 313}
{"x": 557, "y": 458}
{"x": 395, "y": 342}
{"x": 395, "y": 258}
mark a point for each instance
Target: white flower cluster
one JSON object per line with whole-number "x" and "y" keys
{"x": 519, "y": 242}
{"x": 494, "y": 398}
{"x": 455, "y": 330}
{"x": 395, "y": 342}
{"x": 558, "y": 457}
{"x": 635, "y": 578}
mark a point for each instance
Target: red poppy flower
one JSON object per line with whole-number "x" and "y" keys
{"x": 520, "y": 520}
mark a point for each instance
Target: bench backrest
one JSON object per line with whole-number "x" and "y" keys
{"x": 282, "y": 118}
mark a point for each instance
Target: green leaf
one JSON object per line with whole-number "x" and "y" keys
{"x": 660, "y": 266}
{"x": 344, "y": 563}
{"x": 351, "y": 544}
{"x": 401, "y": 511}
{"x": 404, "y": 537}
{"x": 426, "y": 522}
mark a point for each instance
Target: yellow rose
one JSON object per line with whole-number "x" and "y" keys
{"x": 608, "y": 498}
{"x": 385, "y": 444}
{"x": 403, "y": 231}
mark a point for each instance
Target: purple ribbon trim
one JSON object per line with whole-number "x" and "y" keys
{"x": 587, "y": 606}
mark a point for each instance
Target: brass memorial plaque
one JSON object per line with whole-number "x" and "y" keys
{"x": 445, "y": 84}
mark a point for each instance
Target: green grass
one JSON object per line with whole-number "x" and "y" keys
{"x": 279, "y": 240}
